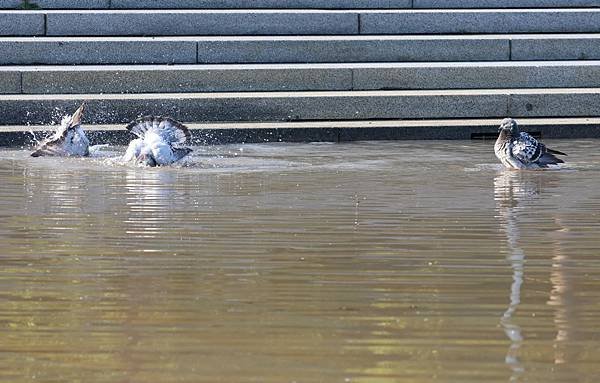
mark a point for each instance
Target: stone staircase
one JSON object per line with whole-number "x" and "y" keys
{"x": 296, "y": 70}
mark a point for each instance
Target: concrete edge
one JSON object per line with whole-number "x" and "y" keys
{"x": 338, "y": 131}
{"x": 296, "y": 4}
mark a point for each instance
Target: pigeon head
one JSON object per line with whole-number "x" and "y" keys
{"x": 146, "y": 158}
{"x": 509, "y": 125}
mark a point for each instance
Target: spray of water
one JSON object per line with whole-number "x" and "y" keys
{"x": 51, "y": 133}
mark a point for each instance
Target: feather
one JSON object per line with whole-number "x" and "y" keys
{"x": 526, "y": 148}
{"x": 519, "y": 150}
{"x": 68, "y": 140}
{"x": 179, "y": 153}
{"x": 160, "y": 141}
{"x": 553, "y": 151}
{"x": 549, "y": 159}
{"x": 49, "y": 149}
{"x": 168, "y": 129}
{"x": 77, "y": 116}
{"x": 70, "y": 123}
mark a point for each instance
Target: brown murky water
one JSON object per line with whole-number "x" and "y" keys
{"x": 362, "y": 262}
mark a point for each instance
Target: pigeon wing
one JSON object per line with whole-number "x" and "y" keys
{"x": 179, "y": 153}
{"x": 527, "y": 149}
{"x": 69, "y": 123}
{"x": 50, "y": 148}
{"x": 54, "y": 146}
{"x": 170, "y": 130}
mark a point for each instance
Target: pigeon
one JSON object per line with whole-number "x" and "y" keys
{"x": 519, "y": 150}
{"x": 68, "y": 140}
{"x": 159, "y": 141}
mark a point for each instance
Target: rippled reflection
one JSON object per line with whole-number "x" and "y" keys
{"x": 364, "y": 262}
{"x": 563, "y": 297}
{"x": 517, "y": 196}
{"x": 512, "y": 191}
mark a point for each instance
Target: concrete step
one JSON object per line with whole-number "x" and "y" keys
{"x": 213, "y": 4}
{"x": 467, "y": 21}
{"x": 177, "y": 22}
{"x": 296, "y": 22}
{"x": 329, "y": 131}
{"x": 351, "y": 4}
{"x": 297, "y": 77}
{"x": 59, "y": 4}
{"x": 188, "y": 50}
{"x": 298, "y": 4}
{"x": 306, "y": 106}
{"x": 296, "y": 49}
{"x": 474, "y": 4}
{"x": 398, "y": 48}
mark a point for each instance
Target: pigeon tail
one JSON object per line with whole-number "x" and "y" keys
{"x": 179, "y": 153}
{"x": 77, "y": 116}
{"x": 552, "y": 151}
{"x": 549, "y": 159}
{"x": 168, "y": 129}
{"x": 70, "y": 123}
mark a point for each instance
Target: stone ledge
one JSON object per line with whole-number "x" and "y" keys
{"x": 59, "y": 4}
{"x": 336, "y": 131}
{"x": 296, "y": 77}
{"x": 296, "y": 49}
{"x": 480, "y": 21}
{"x": 22, "y": 24}
{"x": 442, "y": 4}
{"x": 88, "y": 51}
{"x": 298, "y": 4}
{"x": 190, "y": 22}
{"x": 308, "y": 106}
{"x": 297, "y": 22}
{"x": 258, "y": 4}
{"x": 259, "y": 106}
{"x": 360, "y": 49}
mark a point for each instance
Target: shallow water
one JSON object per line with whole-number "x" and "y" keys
{"x": 362, "y": 262}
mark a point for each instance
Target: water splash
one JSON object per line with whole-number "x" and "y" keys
{"x": 53, "y": 132}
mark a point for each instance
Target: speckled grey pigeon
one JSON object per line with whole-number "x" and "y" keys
{"x": 518, "y": 150}
{"x": 68, "y": 140}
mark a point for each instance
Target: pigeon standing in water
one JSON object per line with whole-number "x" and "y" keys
{"x": 159, "y": 141}
{"x": 518, "y": 150}
{"x": 68, "y": 140}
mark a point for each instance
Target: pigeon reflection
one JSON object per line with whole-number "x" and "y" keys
{"x": 512, "y": 191}
{"x": 516, "y": 194}
{"x": 562, "y": 297}
{"x": 151, "y": 197}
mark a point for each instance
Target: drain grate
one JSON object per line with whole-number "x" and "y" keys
{"x": 493, "y": 135}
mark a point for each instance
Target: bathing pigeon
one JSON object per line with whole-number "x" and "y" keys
{"x": 68, "y": 140}
{"x": 518, "y": 150}
{"x": 159, "y": 141}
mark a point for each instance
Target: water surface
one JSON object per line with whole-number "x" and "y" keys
{"x": 363, "y": 262}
